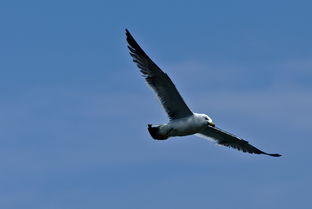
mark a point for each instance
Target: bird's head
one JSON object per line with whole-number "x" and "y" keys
{"x": 208, "y": 119}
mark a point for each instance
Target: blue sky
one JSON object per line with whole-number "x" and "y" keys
{"x": 74, "y": 108}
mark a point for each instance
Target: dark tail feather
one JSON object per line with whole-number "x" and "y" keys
{"x": 154, "y": 132}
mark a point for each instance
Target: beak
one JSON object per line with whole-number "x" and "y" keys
{"x": 211, "y": 124}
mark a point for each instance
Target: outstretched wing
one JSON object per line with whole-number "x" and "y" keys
{"x": 159, "y": 81}
{"x": 229, "y": 140}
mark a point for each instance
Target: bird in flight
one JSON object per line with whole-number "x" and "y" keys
{"x": 182, "y": 121}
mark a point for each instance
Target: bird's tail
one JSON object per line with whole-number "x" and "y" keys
{"x": 154, "y": 132}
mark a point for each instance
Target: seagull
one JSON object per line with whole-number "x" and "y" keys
{"x": 182, "y": 121}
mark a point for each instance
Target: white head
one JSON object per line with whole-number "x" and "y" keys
{"x": 208, "y": 119}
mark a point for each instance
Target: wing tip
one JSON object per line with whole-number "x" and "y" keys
{"x": 128, "y": 37}
{"x": 127, "y": 32}
{"x": 274, "y": 155}
{"x": 132, "y": 44}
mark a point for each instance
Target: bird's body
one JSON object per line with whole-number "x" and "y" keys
{"x": 180, "y": 127}
{"x": 182, "y": 121}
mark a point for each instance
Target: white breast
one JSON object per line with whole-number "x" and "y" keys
{"x": 184, "y": 126}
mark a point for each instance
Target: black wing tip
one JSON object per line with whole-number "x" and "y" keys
{"x": 134, "y": 46}
{"x": 129, "y": 36}
{"x": 273, "y": 155}
{"x": 127, "y": 32}
{"x": 131, "y": 42}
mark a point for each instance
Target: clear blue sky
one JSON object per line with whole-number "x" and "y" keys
{"x": 74, "y": 108}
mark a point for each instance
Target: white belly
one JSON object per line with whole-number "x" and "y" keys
{"x": 182, "y": 127}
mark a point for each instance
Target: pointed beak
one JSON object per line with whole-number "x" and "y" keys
{"x": 211, "y": 124}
